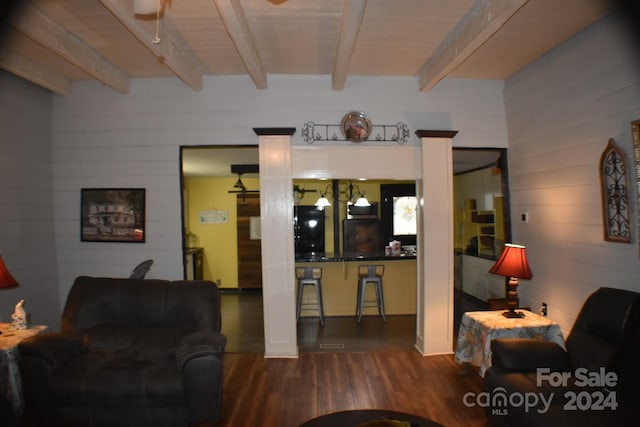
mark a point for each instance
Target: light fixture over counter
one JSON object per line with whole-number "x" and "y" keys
{"x": 353, "y": 193}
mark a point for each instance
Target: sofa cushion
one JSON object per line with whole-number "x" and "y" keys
{"x": 124, "y": 378}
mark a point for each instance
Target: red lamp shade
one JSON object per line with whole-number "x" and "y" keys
{"x": 6, "y": 279}
{"x": 513, "y": 263}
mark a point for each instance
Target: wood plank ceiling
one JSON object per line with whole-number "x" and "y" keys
{"x": 56, "y": 42}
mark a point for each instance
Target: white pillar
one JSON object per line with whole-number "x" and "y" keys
{"x": 435, "y": 255}
{"x": 276, "y": 212}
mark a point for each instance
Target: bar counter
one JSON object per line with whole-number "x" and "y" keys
{"x": 340, "y": 257}
{"x": 340, "y": 282}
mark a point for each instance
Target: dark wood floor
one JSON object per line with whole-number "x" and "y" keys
{"x": 243, "y": 325}
{"x": 343, "y": 365}
{"x": 285, "y": 392}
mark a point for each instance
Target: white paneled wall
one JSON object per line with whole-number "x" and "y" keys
{"x": 561, "y": 111}
{"x": 105, "y": 139}
{"x": 26, "y": 210}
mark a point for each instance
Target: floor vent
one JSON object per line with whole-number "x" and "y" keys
{"x": 331, "y": 346}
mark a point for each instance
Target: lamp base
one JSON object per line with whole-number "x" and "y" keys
{"x": 511, "y": 314}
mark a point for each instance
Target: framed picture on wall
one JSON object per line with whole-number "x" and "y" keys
{"x": 112, "y": 215}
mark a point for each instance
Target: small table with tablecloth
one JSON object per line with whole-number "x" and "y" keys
{"x": 479, "y": 328}
{"x": 10, "y": 383}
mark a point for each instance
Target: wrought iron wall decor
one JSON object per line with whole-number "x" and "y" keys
{"x": 635, "y": 133}
{"x": 312, "y": 132}
{"x": 615, "y": 199}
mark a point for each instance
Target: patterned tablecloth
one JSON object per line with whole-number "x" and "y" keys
{"x": 478, "y": 328}
{"x": 10, "y": 383}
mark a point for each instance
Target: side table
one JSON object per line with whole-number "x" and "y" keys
{"x": 478, "y": 328}
{"x": 10, "y": 383}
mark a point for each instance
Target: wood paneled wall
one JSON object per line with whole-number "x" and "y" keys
{"x": 561, "y": 111}
{"x": 102, "y": 138}
{"x": 27, "y": 233}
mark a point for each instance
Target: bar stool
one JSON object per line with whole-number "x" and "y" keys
{"x": 370, "y": 274}
{"x": 310, "y": 276}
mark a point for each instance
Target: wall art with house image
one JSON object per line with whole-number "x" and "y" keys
{"x": 112, "y": 215}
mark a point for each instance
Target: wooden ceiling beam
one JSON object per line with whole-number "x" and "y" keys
{"x": 235, "y": 22}
{"x": 352, "y": 15}
{"x": 34, "y": 72}
{"x": 167, "y": 50}
{"x": 481, "y": 22}
{"x": 40, "y": 28}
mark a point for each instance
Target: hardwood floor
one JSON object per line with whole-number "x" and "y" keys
{"x": 343, "y": 366}
{"x": 243, "y": 321}
{"x": 286, "y": 392}
{"x": 243, "y": 325}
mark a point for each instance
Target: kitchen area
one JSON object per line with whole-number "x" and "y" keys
{"x": 352, "y": 235}
{"x": 367, "y": 222}
{"x": 481, "y": 227}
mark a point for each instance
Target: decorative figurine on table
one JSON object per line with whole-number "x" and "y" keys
{"x": 19, "y": 316}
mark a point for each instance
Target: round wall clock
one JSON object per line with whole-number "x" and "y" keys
{"x": 356, "y": 126}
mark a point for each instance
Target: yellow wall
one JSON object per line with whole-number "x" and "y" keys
{"x": 218, "y": 240}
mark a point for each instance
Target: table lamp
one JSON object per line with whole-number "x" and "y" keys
{"x": 513, "y": 264}
{"x": 6, "y": 279}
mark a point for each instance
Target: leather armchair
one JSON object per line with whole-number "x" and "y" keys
{"x": 129, "y": 352}
{"x": 604, "y": 341}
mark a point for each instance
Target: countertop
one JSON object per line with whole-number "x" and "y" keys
{"x": 339, "y": 257}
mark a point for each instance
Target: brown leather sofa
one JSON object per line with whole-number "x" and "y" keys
{"x": 130, "y": 352}
{"x": 594, "y": 382}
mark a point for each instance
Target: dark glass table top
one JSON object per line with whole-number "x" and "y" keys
{"x": 363, "y": 417}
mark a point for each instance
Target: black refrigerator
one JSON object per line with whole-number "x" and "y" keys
{"x": 308, "y": 231}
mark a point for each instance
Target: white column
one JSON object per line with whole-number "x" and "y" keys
{"x": 435, "y": 255}
{"x": 276, "y": 212}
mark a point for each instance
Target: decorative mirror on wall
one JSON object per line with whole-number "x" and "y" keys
{"x": 356, "y": 126}
{"x": 635, "y": 134}
{"x": 615, "y": 199}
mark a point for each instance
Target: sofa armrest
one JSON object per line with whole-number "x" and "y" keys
{"x": 53, "y": 348}
{"x": 526, "y": 355}
{"x": 200, "y": 344}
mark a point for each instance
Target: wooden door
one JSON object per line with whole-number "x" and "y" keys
{"x": 249, "y": 248}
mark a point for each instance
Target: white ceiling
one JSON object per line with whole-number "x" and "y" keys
{"x": 55, "y": 42}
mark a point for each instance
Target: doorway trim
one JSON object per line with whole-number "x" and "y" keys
{"x": 430, "y": 164}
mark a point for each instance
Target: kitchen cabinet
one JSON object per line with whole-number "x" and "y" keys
{"x": 477, "y": 281}
{"x": 483, "y": 230}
